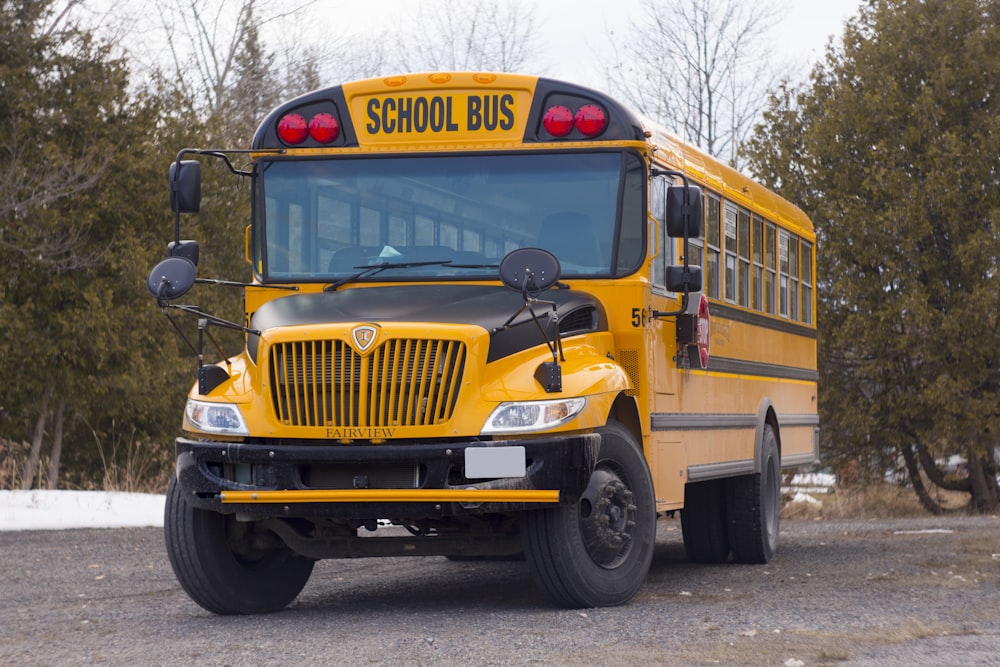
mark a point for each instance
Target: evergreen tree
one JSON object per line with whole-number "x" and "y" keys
{"x": 79, "y": 358}
{"x": 892, "y": 151}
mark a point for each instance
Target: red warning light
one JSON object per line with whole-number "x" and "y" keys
{"x": 324, "y": 128}
{"x": 293, "y": 129}
{"x": 558, "y": 121}
{"x": 590, "y": 120}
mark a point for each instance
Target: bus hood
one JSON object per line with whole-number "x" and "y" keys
{"x": 486, "y": 306}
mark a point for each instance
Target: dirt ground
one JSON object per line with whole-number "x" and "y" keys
{"x": 916, "y": 591}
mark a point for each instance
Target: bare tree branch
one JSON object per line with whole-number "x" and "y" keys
{"x": 496, "y": 35}
{"x": 701, "y": 68}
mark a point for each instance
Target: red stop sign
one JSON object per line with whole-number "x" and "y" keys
{"x": 703, "y": 331}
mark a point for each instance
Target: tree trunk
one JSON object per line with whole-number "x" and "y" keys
{"x": 936, "y": 475}
{"x": 913, "y": 468}
{"x": 58, "y": 419}
{"x": 28, "y": 479}
{"x": 985, "y": 496}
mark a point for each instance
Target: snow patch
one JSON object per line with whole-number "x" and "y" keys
{"x": 801, "y": 497}
{"x": 59, "y": 510}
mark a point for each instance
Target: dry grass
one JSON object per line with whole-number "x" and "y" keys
{"x": 135, "y": 466}
{"x": 126, "y": 464}
{"x": 13, "y": 456}
{"x": 871, "y": 501}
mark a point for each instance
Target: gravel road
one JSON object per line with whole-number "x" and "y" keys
{"x": 900, "y": 592}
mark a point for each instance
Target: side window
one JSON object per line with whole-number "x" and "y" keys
{"x": 633, "y": 219}
{"x": 757, "y": 289}
{"x": 423, "y": 233}
{"x": 370, "y": 227}
{"x": 713, "y": 213}
{"x": 696, "y": 252}
{"x": 288, "y": 249}
{"x": 793, "y": 277}
{"x": 771, "y": 277}
{"x": 399, "y": 230}
{"x": 783, "y": 243}
{"x": 743, "y": 243}
{"x": 730, "y": 252}
{"x": 471, "y": 240}
{"x": 659, "y": 242}
{"x": 807, "y": 290}
{"x": 448, "y": 235}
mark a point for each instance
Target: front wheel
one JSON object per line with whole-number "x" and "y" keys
{"x": 227, "y": 566}
{"x": 596, "y": 552}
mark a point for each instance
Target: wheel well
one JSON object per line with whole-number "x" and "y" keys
{"x": 766, "y": 416}
{"x": 625, "y": 412}
{"x": 772, "y": 419}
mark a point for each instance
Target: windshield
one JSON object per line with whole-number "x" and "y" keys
{"x": 452, "y": 216}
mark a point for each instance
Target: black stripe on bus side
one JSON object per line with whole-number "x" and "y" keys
{"x": 686, "y": 421}
{"x": 757, "y": 320}
{"x": 743, "y": 367}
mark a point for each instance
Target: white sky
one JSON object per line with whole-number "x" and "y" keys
{"x": 801, "y": 34}
{"x": 576, "y": 32}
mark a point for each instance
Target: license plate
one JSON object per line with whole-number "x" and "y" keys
{"x": 489, "y": 462}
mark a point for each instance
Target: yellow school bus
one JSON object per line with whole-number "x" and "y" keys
{"x": 488, "y": 315}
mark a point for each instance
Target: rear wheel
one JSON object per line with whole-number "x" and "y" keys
{"x": 703, "y": 521}
{"x": 596, "y": 552}
{"x": 229, "y": 567}
{"x": 755, "y": 506}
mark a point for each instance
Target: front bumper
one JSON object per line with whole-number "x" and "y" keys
{"x": 409, "y": 481}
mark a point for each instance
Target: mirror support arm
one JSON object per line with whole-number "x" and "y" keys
{"x": 686, "y": 272}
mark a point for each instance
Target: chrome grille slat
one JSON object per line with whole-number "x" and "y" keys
{"x": 403, "y": 382}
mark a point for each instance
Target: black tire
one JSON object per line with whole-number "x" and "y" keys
{"x": 704, "y": 521}
{"x": 218, "y": 576}
{"x": 597, "y": 552}
{"x": 755, "y": 507}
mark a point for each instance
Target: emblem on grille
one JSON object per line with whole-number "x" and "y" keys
{"x": 363, "y": 337}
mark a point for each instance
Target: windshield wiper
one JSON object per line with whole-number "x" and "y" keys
{"x": 473, "y": 266}
{"x": 377, "y": 268}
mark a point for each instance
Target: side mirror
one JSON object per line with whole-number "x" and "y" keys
{"x": 186, "y": 248}
{"x": 185, "y": 186}
{"x": 684, "y": 279}
{"x": 171, "y": 278}
{"x": 684, "y": 211}
{"x": 529, "y": 270}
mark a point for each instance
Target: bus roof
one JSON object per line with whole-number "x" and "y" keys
{"x": 735, "y": 185}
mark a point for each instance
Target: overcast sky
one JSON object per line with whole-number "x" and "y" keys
{"x": 575, "y": 33}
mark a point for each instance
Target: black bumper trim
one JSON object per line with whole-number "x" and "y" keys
{"x": 205, "y": 469}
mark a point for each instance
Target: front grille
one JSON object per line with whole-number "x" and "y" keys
{"x": 407, "y": 382}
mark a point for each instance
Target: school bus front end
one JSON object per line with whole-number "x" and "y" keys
{"x": 428, "y": 419}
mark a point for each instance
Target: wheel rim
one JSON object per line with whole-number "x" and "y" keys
{"x": 771, "y": 501}
{"x": 607, "y": 518}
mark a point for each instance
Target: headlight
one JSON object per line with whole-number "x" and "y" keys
{"x": 532, "y": 415}
{"x": 223, "y": 418}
